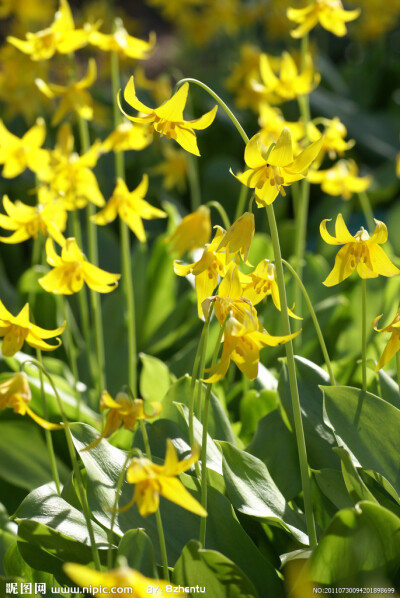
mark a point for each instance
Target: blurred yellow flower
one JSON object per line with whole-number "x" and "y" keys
{"x": 18, "y": 154}
{"x": 124, "y": 44}
{"x": 242, "y": 74}
{"x": 334, "y": 138}
{"x": 152, "y": 480}
{"x": 74, "y": 97}
{"x": 16, "y": 394}
{"x": 127, "y": 136}
{"x": 61, "y": 36}
{"x": 118, "y": 579}
{"x": 328, "y": 13}
{"x": 71, "y": 270}
{"x": 173, "y": 168}
{"x": 238, "y": 237}
{"x": 131, "y": 208}
{"x": 341, "y": 179}
{"x": 272, "y": 122}
{"x": 168, "y": 118}
{"x": 393, "y": 344}
{"x": 360, "y": 252}
{"x": 160, "y": 87}
{"x": 18, "y": 329}
{"x": 192, "y": 232}
{"x": 122, "y": 411}
{"x": 27, "y": 11}
{"x": 27, "y": 221}
{"x": 269, "y": 172}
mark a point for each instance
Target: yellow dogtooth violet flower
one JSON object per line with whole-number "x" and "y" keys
{"x": 393, "y": 344}
{"x": 74, "y": 97}
{"x": 126, "y": 582}
{"x": 270, "y": 171}
{"x": 174, "y": 169}
{"x": 16, "y": 394}
{"x": 334, "y": 138}
{"x": 330, "y": 14}
{"x": 272, "y": 122}
{"x": 122, "y": 410}
{"x": 131, "y": 208}
{"x": 18, "y": 154}
{"x": 206, "y": 270}
{"x": 152, "y": 481}
{"x": 360, "y": 252}
{"x": 61, "y": 36}
{"x": 192, "y": 232}
{"x": 341, "y": 179}
{"x": 238, "y": 237}
{"x": 127, "y": 136}
{"x": 71, "y": 270}
{"x": 27, "y": 222}
{"x": 168, "y": 118}
{"x": 16, "y": 330}
{"x": 124, "y": 44}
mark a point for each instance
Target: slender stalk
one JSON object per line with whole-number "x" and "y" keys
{"x": 364, "y": 333}
{"x": 398, "y": 370}
{"x": 222, "y": 212}
{"x": 367, "y": 210}
{"x": 194, "y": 182}
{"x": 315, "y": 321}
{"x": 202, "y": 364}
{"x": 115, "y": 507}
{"x": 160, "y": 528}
{"x": 71, "y": 352}
{"x": 195, "y": 375}
{"x": 241, "y": 204}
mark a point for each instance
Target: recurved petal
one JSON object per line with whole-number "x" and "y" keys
{"x": 175, "y": 491}
{"x": 187, "y": 139}
{"x": 380, "y": 233}
{"x": 42, "y": 422}
{"x": 38, "y": 343}
{"x": 172, "y": 109}
{"x": 282, "y": 153}
{"x": 204, "y": 121}
{"x": 252, "y": 153}
{"x": 308, "y": 155}
{"x": 99, "y": 280}
{"x": 342, "y": 269}
{"x": 132, "y": 100}
{"x": 268, "y": 76}
{"x": 42, "y": 333}
{"x": 380, "y": 262}
{"x": 389, "y": 351}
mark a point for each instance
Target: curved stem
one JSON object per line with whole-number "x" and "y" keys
{"x": 222, "y": 212}
{"x": 314, "y": 319}
{"x": 241, "y": 204}
{"x": 364, "y": 333}
{"x": 367, "y": 210}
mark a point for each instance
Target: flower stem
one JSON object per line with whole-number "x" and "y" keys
{"x": 398, "y": 369}
{"x": 315, "y": 321}
{"x": 194, "y": 182}
{"x": 71, "y": 352}
{"x": 367, "y": 210}
{"x": 115, "y": 507}
{"x": 222, "y": 212}
{"x": 160, "y": 527}
{"x": 241, "y": 204}
{"x": 195, "y": 375}
{"x": 364, "y": 333}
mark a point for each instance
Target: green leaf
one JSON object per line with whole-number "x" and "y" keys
{"x": 331, "y": 484}
{"x": 252, "y": 491}
{"x": 136, "y": 549}
{"x": 211, "y": 570}
{"x": 253, "y": 406}
{"x": 354, "y": 484}
{"x": 155, "y": 378}
{"x": 368, "y": 427}
{"x": 389, "y": 389}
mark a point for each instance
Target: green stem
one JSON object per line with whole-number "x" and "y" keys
{"x": 115, "y": 507}
{"x": 160, "y": 528}
{"x": 364, "y": 333}
{"x": 241, "y": 204}
{"x": 194, "y": 182}
{"x": 315, "y": 321}
{"x": 222, "y": 212}
{"x": 202, "y": 364}
{"x": 367, "y": 210}
{"x": 75, "y": 465}
{"x": 195, "y": 375}
{"x": 71, "y": 352}
{"x": 398, "y": 369}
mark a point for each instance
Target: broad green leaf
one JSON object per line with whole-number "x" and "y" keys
{"x": 331, "y": 484}
{"x": 252, "y": 491}
{"x": 354, "y": 484}
{"x": 253, "y": 406}
{"x": 368, "y": 427}
{"x": 16, "y": 566}
{"x": 389, "y": 389}
{"x": 136, "y": 549}
{"x": 155, "y": 378}
{"x": 360, "y": 541}
{"x": 211, "y": 570}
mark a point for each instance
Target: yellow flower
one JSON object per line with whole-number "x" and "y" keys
{"x": 173, "y": 168}
{"x": 18, "y": 154}
{"x": 61, "y": 36}
{"x": 329, "y": 13}
{"x": 152, "y": 480}
{"x": 238, "y": 237}
{"x": 118, "y": 579}
{"x": 122, "y": 411}
{"x": 168, "y": 118}
{"x": 71, "y": 270}
{"x": 272, "y": 122}
{"x": 341, "y": 179}
{"x": 160, "y": 87}
{"x": 360, "y": 252}
{"x": 393, "y": 344}
{"x": 206, "y": 270}
{"x": 16, "y": 394}
{"x": 290, "y": 83}
{"x": 124, "y": 44}
{"x": 18, "y": 329}
{"x": 398, "y": 166}
{"x": 241, "y": 77}
{"x": 192, "y": 232}
{"x": 131, "y": 208}
{"x": 27, "y": 11}
{"x": 73, "y": 97}
{"x": 334, "y": 138}
{"x": 127, "y": 136}
{"x": 27, "y": 221}
{"x": 269, "y": 173}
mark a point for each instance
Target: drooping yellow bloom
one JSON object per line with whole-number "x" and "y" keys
{"x": 71, "y": 270}
{"x": 341, "y": 179}
{"x": 152, "y": 480}
{"x": 168, "y": 118}
{"x": 174, "y": 169}
{"x": 192, "y": 232}
{"x": 124, "y": 44}
{"x": 27, "y": 221}
{"x": 16, "y": 394}
{"x": 206, "y": 270}
{"x": 118, "y": 579}
{"x": 73, "y": 97}
{"x": 238, "y": 237}
{"x": 127, "y": 136}
{"x": 61, "y": 36}
{"x": 360, "y": 252}
{"x": 393, "y": 344}
{"x": 328, "y": 13}
{"x": 269, "y": 173}
{"x": 131, "y": 208}
{"x": 122, "y": 411}
{"x": 334, "y": 138}
{"x": 18, "y": 329}
{"x": 18, "y": 154}
{"x": 290, "y": 83}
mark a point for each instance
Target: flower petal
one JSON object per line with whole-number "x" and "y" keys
{"x": 380, "y": 262}
{"x": 172, "y": 109}
{"x": 132, "y": 100}
{"x": 342, "y": 269}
